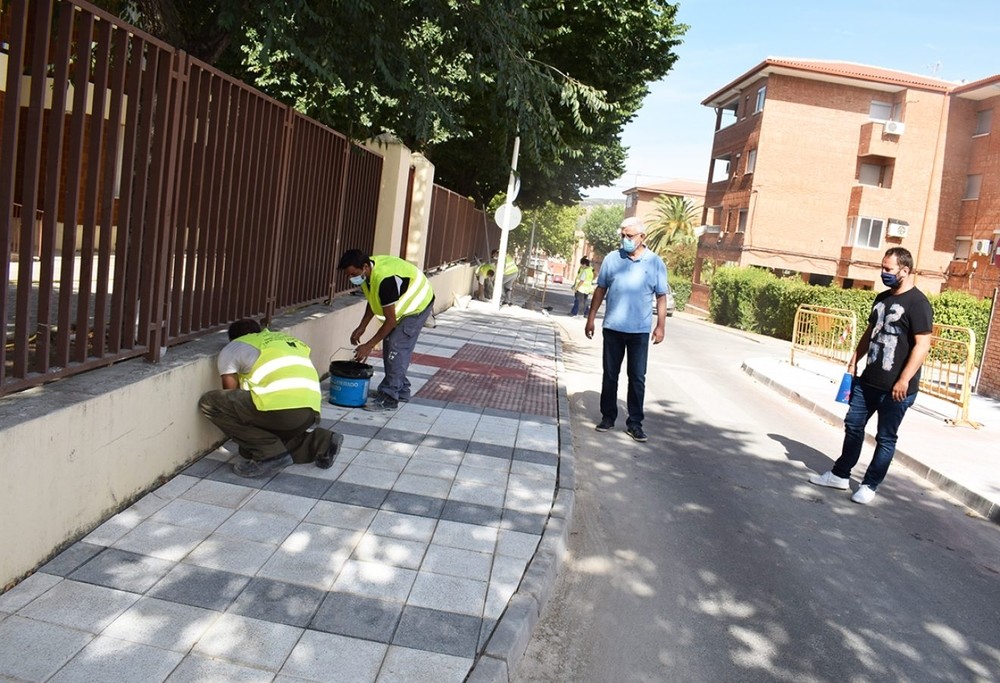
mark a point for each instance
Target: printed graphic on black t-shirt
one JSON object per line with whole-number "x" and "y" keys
{"x": 895, "y": 322}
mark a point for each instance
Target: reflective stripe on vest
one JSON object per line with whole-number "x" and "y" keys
{"x": 509, "y": 266}
{"x": 283, "y": 376}
{"x": 418, "y": 294}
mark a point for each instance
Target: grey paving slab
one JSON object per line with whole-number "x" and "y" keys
{"x": 191, "y": 514}
{"x": 448, "y": 593}
{"x": 405, "y": 665}
{"x": 236, "y": 555}
{"x": 471, "y": 513}
{"x": 250, "y": 642}
{"x": 200, "y": 669}
{"x": 298, "y": 485}
{"x": 422, "y": 485}
{"x": 165, "y": 541}
{"x": 357, "y": 616}
{"x": 33, "y": 650}
{"x": 259, "y": 526}
{"x": 414, "y": 504}
{"x": 459, "y": 562}
{"x": 444, "y": 632}
{"x": 82, "y": 606}
{"x": 322, "y": 656}
{"x": 200, "y": 587}
{"x": 375, "y": 580}
{"x": 26, "y": 591}
{"x": 399, "y": 525}
{"x": 71, "y": 559}
{"x": 219, "y": 493}
{"x": 467, "y": 536}
{"x": 161, "y": 623}
{"x": 395, "y": 552}
{"x": 277, "y": 601}
{"x": 278, "y": 503}
{"x": 317, "y": 569}
{"x": 356, "y": 494}
{"x": 110, "y": 659}
{"x": 122, "y": 570}
{"x": 342, "y": 515}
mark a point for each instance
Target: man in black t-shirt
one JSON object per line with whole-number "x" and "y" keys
{"x": 896, "y": 343}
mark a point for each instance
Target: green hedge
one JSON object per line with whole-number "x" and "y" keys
{"x": 681, "y": 287}
{"x": 755, "y": 300}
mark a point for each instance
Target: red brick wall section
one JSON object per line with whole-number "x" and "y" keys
{"x": 989, "y": 369}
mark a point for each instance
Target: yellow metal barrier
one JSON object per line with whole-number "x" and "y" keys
{"x": 947, "y": 370}
{"x": 825, "y": 332}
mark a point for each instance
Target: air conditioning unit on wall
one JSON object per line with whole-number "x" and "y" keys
{"x": 897, "y": 229}
{"x": 982, "y": 247}
{"x": 894, "y": 127}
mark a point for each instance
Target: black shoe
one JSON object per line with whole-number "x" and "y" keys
{"x": 604, "y": 425}
{"x": 382, "y": 402}
{"x": 251, "y": 469}
{"x": 325, "y": 461}
{"x": 636, "y": 433}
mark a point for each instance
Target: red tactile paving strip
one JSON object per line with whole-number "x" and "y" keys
{"x": 494, "y": 378}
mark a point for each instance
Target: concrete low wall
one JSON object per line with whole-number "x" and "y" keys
{"x": 78, "y": 450}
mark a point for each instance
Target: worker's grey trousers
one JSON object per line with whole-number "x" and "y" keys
{"x": 397, "y": 351}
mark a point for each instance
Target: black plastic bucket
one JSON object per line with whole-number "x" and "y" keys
{"x": 349, "y": 383}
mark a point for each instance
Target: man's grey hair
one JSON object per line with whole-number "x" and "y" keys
{"x": 634, "y": 222}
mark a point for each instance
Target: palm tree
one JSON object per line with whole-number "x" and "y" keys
{"x": 673, "y": 224}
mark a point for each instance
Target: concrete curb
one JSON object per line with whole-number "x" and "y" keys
{"x": 956, "y": 490}
{"x": 509, "y": 640}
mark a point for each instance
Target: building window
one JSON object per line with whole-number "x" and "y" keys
{"x": 720, "y": 169}
{"x": 759, "y": 106}
{"x": 630, "y": 200}
{"x": 727, "y": 113}
{"x": 972, "y": 185}
{"x": 963, "y": 247}
{"x": 870, "y": 174}
{"x": 742, "y": 226}
{"x": 883, "y": 111}
{"x": 983, "y": 121}
{"x": 751, "y": 160}
{"x": 866, "y": 232}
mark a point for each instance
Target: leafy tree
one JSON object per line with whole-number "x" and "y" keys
{"x": 554, "y": 229}
{"x": 455, "y": 80}
{"x": 602, "y": 227}
{"x": 673, "y": 223}
{"x": 670, "y": 233}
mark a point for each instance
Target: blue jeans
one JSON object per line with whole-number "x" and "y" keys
{"x": 865, "y": 402}
{"x": 616, "y": 345}
{"x": 580, "y": 301}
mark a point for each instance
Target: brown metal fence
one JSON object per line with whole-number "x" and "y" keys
{"x": 458, "y": 230}
{"x": 171, "y": 199}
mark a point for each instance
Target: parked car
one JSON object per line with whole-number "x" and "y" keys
{"x": 671, "y": 304}
{"x": 557, "y": 279}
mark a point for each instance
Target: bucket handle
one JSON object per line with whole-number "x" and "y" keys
{"x": 349, "y": 350}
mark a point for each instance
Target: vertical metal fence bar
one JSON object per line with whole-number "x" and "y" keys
{"x": 53, "y": 164}
{"x": 217, "y": 243}
{"x": 32, "y": 132}
{"x": 281, "y": 149}
{"x": 8, "y": 164}
{"x": 203, "y": 184}
{"x": 182, "y": 256}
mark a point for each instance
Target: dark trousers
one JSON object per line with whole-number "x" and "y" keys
{"x": 865, "y": 402}
{"x": 264, "y": 435}
{"x": 616, "y": 346}
{"x": 580, "y": 301}
{"x": 397, "y": 352}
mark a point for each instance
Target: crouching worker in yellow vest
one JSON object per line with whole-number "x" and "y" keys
{"x": 400, "y": 295}
{"x": 509, "y": 276}
{"x": 484, "y": 281}
{"x": 270, "y": 398}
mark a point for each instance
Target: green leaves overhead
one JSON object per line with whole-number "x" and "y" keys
{"x": 454, "y": 79}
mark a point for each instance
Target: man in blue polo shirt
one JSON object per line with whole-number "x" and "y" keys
{"x": 629, "y": 278}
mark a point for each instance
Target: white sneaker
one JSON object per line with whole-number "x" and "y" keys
{"x": 831, "y": 480}
{"x": 864, "y": 495}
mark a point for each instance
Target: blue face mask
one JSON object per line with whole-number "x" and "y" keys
{"x": 358, "y": 280}
{"x": 628, "y": 245}
{"x": 891, "y": 280}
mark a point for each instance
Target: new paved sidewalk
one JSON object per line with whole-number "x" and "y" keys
{"x": 424, "y": 554}
{"x": 962, "y": 461}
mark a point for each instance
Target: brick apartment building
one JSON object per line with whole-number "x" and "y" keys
{"x": 641, "y": 200}
{"x": 818, "y": 167}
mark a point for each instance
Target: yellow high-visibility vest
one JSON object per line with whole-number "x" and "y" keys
{"x": 418, "y": 294}
{"x": 283, "y": 376}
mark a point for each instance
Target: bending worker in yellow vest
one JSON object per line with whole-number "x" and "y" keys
{"x": 270, "y": 398}
{"x": 509, "y": 275}
{"x": 400, "y": 295}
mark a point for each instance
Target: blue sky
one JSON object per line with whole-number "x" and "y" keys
{"x": 671, "y": 137}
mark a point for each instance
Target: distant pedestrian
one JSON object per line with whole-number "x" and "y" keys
{"x": 400, "y": 295}
{"x": 485, "y": 277}
{"x": 896, "y": 343}
{"x": 270, "y": 398}
{"x": 583, "y": 287}
{"x": 630, "y": 277}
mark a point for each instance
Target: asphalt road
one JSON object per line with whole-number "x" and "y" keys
{"x": 705, "y": 555}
